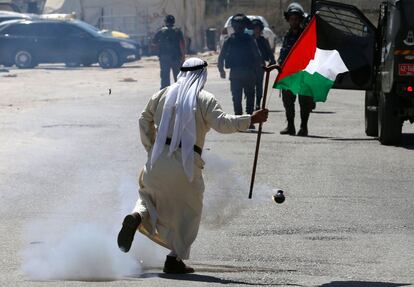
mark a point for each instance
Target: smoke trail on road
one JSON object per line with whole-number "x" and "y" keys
{"x": 87, "y": 251}
{"x": 226, "y": 194}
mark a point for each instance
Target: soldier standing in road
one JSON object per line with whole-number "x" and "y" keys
{"x": 267, "y": 56}
{"x": 241, "y": 55}
{"x": 295, "y": 15}
{"x": 169, "y": 41}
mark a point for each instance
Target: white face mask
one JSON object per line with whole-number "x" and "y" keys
{"x": 248, "y": 32}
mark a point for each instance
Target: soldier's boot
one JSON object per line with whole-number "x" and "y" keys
{"x": 290, "y": 129}
{"x": 129, "y": 227}
{"x": 303, "y": 131}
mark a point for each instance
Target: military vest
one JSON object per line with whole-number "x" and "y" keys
{"x": 239, "y": 52}
{"x": 169, "y": 41}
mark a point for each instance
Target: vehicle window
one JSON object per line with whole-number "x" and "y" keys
{"x": 17, "y": 30}
{"x": 50, "y": 30}
{"x": 87, "y": 26}
{"x": 407, "y": 8}
{"x": 92, "y": 30}
{"x": 34, "y": 29}
{"x": 75, "y": 32}
{"x": 346, "y": 21}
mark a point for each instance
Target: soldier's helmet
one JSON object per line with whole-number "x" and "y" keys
{"x": 169, "y": 20}
{"x": 240, "y": 21}
{"x": 257, "y": 23}
{"x": 294, "y": 9}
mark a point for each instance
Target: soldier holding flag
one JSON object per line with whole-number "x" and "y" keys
{"x": 295, "y": 16}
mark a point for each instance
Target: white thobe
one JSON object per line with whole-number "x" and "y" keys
{"x": 171, "y": 205}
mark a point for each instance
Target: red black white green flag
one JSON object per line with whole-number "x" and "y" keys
{"x": 313, "y": 64}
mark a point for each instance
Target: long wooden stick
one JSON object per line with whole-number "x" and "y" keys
{"x": 259, "y": 133}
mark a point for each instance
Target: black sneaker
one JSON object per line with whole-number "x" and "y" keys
{"x": 129, "y": 227}
{"x": 252, "y": 127}
{"x": 174, "y": 266}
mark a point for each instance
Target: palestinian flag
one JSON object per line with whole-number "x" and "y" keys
{"x": 313, "y": 63}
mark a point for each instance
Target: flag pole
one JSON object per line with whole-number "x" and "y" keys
{"x": 267, "y": 69}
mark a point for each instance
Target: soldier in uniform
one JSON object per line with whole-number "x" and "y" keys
{"x": 267, "y": 56}
{"x": 241, "y": 55}
{"x": 169, "y": 41}
{"x": 295, "y": 16}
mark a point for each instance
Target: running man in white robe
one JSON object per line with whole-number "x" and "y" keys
{"x": 173, "y": 127}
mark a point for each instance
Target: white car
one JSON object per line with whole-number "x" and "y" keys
{"x": 267, "y": 32}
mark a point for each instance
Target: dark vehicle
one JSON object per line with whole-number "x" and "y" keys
{"x": 391, "y": 100}
{"x": 27, "y": 43}
{"x": 388, "y": 59}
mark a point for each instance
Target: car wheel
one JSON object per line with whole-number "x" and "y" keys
{"x": 119, "y": 64}
{"x": 24, "y": 59}
{"x": 389, "y": 124}
{"x": 371, "y": 114}
{"x": 108, "y": 58}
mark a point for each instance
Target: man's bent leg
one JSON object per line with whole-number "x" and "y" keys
{"x": 130, "y": 226}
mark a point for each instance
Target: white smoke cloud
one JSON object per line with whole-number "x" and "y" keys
{"x": 87, "y": 251}
{"x": 226, "y": 194}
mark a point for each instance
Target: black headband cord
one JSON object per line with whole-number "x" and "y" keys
{"x": 194, "y": 68}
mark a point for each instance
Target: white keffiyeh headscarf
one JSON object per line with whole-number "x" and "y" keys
{"x": 181, "y": 97}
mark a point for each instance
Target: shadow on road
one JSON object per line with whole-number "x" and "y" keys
{"x": 353, "y": 139}
{"x": 323, "y": 112}
{"x": 362, "y": 284}
{"x": 217, "y": 280}
{"x": 407, "y": 140}
{"x": 208, "y": 279}
{"x": 212, "y": 268}
{"x": 255, "y": 132}
{"x": 63, "y": 68}
{"x": 203, "y": 267}
{"x": 317, "y": 137}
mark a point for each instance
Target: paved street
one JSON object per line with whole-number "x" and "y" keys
{"x": 70, "y": 152}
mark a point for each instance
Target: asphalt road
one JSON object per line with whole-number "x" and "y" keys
{"x": 70, "y": 152}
